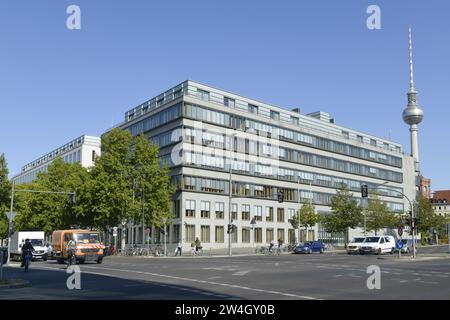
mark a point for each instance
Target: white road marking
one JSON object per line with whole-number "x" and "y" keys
{"x": 217, "y": 277}
{"x": 241, "y": 273}
{"x": 182, "y": 279}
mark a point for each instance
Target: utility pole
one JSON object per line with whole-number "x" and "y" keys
{"x": 230, "y": 194}
{"x": 9, "y": 222}
{"x": 298, "y": 202}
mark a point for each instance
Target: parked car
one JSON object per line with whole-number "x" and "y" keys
{"x": 310, "y": 247}
{"x": 355, "y": 245}
{"x": 378, "y": 245}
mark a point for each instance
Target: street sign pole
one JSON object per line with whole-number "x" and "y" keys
{"x": 9, "y": 222}
{"x": 115, "y": 240}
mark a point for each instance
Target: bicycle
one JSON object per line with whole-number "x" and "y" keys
{"x": 27, "y": 260}
{"x": 71, "y": 258}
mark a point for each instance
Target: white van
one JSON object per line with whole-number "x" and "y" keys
{"x": 378, "y": 245}
{"x": 36, "y": 239}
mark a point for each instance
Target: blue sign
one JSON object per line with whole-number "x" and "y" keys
{"x": 399, "y": 244}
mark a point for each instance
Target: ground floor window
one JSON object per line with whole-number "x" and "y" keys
{"x": 280, "y": 234}
{"x": 258, "y": 235}
{"x": 219, "y": 235}
{"x": 190, "y": 233}
{"x": 269, "y": 235}
{"x": 291, "y": 236}
{"x": 245, "y": 235}
{"x": 234, "y": 236}
{"x": 205, "y": 233}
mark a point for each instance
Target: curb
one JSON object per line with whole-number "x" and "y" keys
{"x": 16, "y": 284}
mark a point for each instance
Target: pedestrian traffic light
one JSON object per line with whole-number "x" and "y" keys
{"x": 364, "y": 191}
{"x": 280, "y": 196}
{"x": 230, "y": 228}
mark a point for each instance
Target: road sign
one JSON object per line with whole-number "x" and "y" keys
{"x": 11, "y": 215}
{"x": 115, "y": 232}
{"x": 400, "y": 231}
{"x": 399, "y": 244}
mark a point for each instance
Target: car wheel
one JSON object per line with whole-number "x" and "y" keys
{"x": 379, "y": 251}
{"x": 309, "y": 251}
{"x": 321, "y": 250}
{"x": 44, "y": 258}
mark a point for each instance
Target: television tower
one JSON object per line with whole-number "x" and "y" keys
{"x": 413, "y": 114}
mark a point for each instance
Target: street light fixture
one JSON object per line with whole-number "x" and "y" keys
{"x": 413, "y": 231}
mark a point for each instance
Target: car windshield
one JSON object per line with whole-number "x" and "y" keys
{"x": 358, "y": 239}
{"x": 86, "y": 238}
{"x": 37, "y": 242}
{"x": 372, "y": 239}
{"x": 307, "y": 243}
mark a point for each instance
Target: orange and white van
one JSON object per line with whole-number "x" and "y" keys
{"x": 88, "y": 245}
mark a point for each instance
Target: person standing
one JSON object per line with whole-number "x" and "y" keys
{"x": 178, "y": 251}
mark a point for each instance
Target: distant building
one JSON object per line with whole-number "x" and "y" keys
{"x": 441, "y": 203}
{"x": 425, "y": 185}
{"x": 82, "y": 150}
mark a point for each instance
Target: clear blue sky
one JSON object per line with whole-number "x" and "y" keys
{"x": 57, "y": 84}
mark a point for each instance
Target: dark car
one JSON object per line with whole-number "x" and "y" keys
{"x": 310, "y": 247}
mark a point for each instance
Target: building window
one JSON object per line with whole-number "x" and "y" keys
{"x": 234, "y": 211}
{"x": 269, "y": 214}
{"x": 269, "y": 235}
{"x": 360, "y": 139}
{"x": 275, "y": 115}
{"x": 202, "y": 94}
{"x": 245, "y": 212}
{"x": 189, "y": 183}
{"x": 176, "y": 233}
{"x": 219, "y": 236}
{"x": 280, "y": 234}
{"x": 190, "y": 233}
{"x": 258, "y": 213}
{"x": 294, "y": 120}
{"x": 291, "y": 213}
{"x": 228, "y": 102}
{"x": 205, "y": 235}
{"x": 258, "y": 235}
{"x": 94, "y": 156}
{"x": 205, "y": 209}
{"x": 245, "y": 235}
{"x": 190, "y": 208}
{"x": 373, "y": 142}
{"x": 234, "y": 236}
{"x": 219, "y": 210}
{"x": 386, "y": 146}
{"x": 346, "y": 134}
{"x": 291, "y": 236}
{"x": 252, "y": 109}
{"x": 280, "y": 215}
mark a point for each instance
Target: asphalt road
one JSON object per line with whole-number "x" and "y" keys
{"x": 315, "y": 276}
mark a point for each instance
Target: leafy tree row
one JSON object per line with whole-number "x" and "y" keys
{"x": 126, "y": 182}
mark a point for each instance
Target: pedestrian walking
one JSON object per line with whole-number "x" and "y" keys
{"x": 193, "y": 248}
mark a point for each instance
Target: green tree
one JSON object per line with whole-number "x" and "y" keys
{"x": 111, "y": 189}
{"x": 5, "y": 191}
{"x": 378, "y": 215}
{"x": 308, "y": 218}
{"x": 49, "y": 212}
{"x": 152, "y": 181}
{"x": 428, "y": 220}
{"x": 345, "y": 213}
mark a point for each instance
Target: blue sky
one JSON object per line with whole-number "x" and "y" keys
{"x": 56, "y": 84}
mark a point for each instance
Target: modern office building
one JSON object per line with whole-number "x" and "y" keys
{"x": 82, "y": 150}
{"x": 212, "y": 139}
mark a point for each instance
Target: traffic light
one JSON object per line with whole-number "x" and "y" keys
{"x": 410, "y": 213}
{"x": 364, "y": 191}
{"x": 280, "y": 196}
{"x": 72, "y": 198}
{"x": 230, "y": 229}
{"x": 416, "y": 222}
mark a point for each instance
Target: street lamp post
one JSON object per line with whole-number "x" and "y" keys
{"x": 165, "y": 230}
{"x": 412, "y": 216}
{"x": 9, "y": 223}
{"x": 230, "y": 220}
{"x": 298, "y": 201}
